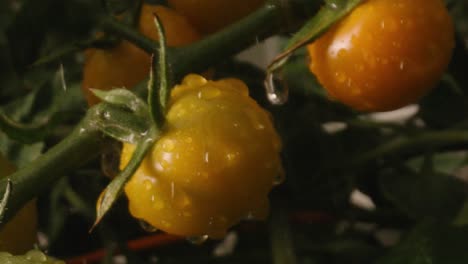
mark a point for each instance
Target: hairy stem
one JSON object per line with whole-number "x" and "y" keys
{"x": 83, "y": 144}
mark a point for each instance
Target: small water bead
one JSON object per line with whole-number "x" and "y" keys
{"x": 168, "y": 145}
{"x": 209, "y": 93}
{"x": 402, "y": 65}
{"x": 340, "y": 77}
{"x": 146, "y": 226}
{"x": 197, "y": 240}
{"x": 148, "y": 185}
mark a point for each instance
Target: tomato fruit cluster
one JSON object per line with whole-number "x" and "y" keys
{"x": 125, "y": 65}
{"x": 214, "y": 164}
{"x": 385, "y": 54}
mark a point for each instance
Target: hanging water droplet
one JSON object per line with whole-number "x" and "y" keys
{"x": 275, "y": 95}
{"x": 197, "y": 240}
{"x": 146, "y": 226}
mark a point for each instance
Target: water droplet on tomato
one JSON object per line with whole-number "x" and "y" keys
{"x": 209, "y": 93}
{"x": 402, "y": 65}
{"x": 197, "y": 240}
{"x": 147, "y": 226}
{"x": 148, "y": 185}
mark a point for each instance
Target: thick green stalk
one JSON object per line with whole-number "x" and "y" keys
{"x": 273, "y": 18}
{"x": 83, "y": 144}
{"x": 197, "y": 57}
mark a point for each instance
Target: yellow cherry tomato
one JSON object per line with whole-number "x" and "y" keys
{"x": 19, "y": 234}
{"x": 214, "y": 164}
{"x": 31, "y": 257}
{"x": 385, "y": 54}
{"x": 126, "y": 65}
{"x": 209, "y": 16}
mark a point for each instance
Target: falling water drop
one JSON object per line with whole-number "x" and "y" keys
{"x": 147, "y": 226}
{"x": 197, "y": 240}
{"x": 274, "y": 95}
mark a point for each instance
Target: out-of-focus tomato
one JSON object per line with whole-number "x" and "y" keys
{"x": 126, "y": 65}
{"x": 209, "y": 16}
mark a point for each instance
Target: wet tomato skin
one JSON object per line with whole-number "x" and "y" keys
{"x": 214, "y": 165}
{"x": 385, "y": 54}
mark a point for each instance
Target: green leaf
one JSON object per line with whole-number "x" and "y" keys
{"x": 430, "y": 243}
{"x": 436, "y": 112}
{"x": 158, "y": 84}
{"x": 429, "y": 195}
{"x": 114, "y": 189}
{"x": 333, "y": 11}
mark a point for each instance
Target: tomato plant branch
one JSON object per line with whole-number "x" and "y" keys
{"x": 414, "y": 143}
{"x": 266, "y": 21}
{"x": 80, "y": 146}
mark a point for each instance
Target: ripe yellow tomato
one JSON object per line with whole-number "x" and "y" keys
{"x": 214, "y": 165}
{"x": 31, "y": 257}
{"x": 19, "y": 234}
{"x": 126, "y": 65}
{"x": 385, "y": 54}
{"x": 209, "y": 16}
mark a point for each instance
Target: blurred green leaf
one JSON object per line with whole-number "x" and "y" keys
{"x": 424, "y": 195}
{"x": 430, "y": 243}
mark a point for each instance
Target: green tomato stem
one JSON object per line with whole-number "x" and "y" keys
{"x": 274, "y": 17}
{"x": 80, "y": 146}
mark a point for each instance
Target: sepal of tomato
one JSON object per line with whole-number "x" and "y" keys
{"x": 214, "y": 164}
